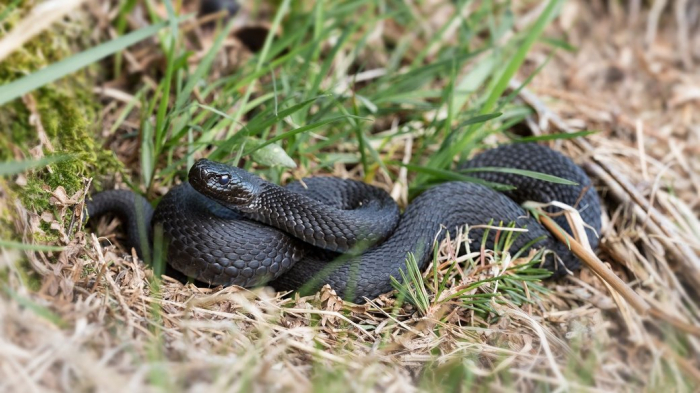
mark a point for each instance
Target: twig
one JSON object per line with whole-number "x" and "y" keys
{"x": 595, "y": 264}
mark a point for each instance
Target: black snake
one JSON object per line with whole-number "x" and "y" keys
{"x": 227, "y": 226}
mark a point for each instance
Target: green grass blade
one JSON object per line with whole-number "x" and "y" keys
{"x": 37, "y": 308}
{"x": 532, "y": 174}
{"x": 281, "y": 12}
{"x": 15, "y": 167}
{"x": 203, "y": 67}
{"x": 517, "y": 60}
{"x": 454, "y": 176}
{"x": 298, "y": 130}
{"x": 74, "y": 63}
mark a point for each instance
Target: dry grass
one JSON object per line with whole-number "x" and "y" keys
{"x": 97, "y": 321}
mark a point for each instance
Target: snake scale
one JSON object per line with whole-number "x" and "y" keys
{"x": 226, "y": 226}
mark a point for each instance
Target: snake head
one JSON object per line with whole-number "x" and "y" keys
{"x": 226, "y": 184}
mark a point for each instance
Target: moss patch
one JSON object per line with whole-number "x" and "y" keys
{"x": 67, "y": 121}
{"x": 67, "y": 111}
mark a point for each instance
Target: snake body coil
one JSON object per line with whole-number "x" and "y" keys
{"x": 229, "y": 227}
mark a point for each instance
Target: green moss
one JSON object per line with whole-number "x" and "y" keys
{"x": 67, "y": 111}
{"x": 67, "y": 122}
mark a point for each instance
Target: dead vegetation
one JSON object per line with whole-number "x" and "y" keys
{"x": 90, "y": 319}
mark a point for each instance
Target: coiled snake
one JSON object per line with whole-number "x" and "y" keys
{"x": 229, "y": 227}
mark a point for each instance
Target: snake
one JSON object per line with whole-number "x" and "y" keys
{"x": 227, "y": 226}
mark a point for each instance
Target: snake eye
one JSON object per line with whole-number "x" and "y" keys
{"x": 224, "y": 179}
